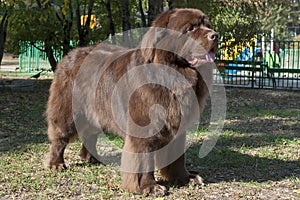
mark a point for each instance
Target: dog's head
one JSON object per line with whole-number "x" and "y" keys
{"x": 186, "y": 33}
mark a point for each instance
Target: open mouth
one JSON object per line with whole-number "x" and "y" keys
{"x": 209, "y": 57}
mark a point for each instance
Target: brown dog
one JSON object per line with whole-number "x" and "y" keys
{"x": 158, "y": 86}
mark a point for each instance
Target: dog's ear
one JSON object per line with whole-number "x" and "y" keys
{"x": 154, "y": 35}
{"x": 162, "y": 19}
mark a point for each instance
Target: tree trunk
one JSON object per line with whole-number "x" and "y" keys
{"x": 67, "y": 38}
{"x": 155, "y": 7}
{"x": 112, "y": 30}
{"x": 3, "y": 29}
{"x": 50, "y": 55}
{"x": 83, "y": 30}
{"x": 142, "y": 14}
{"x": 78, "y": 20}
{"x": 171, "y": 4}
{"x": 126, "y": 26}
{"x": 67, "y": 26}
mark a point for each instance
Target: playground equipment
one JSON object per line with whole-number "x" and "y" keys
{"x": 260, "y": 63}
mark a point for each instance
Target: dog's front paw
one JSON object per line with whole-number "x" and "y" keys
{"x": 56, "y": 166}
{"x": 195, "y": 179}
{"x": 156, "y": 190}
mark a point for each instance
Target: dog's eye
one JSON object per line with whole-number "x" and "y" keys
{"x": 192, "y": 28}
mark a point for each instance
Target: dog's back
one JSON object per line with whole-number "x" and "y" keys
{"x": 70, "y": 71}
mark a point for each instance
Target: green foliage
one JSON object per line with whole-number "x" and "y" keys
{"x": 244, "y": 19}
{"x": 275, "y": 16}
{"x": 34, "y": 25}
{"x": 47, "y": 20}
{"x": 238, "y": 22}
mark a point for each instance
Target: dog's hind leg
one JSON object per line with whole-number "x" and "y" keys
{"x": 55, "y": 158}
{"x": 88, "y": 150}
{"x": 59, "y": 140}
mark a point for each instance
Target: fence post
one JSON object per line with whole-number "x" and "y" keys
{"x": 29, "y": 58}
{"x": 21, "y": 61}
{"x": 253, "y": 64}
{"x": 37, "y": 58}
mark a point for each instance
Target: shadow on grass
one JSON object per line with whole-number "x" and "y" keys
{"x": 276, "y": 124}
{"x": 225, "y": 164}
{"x": 260, "y": 124}
{"x": 22, "y": 121}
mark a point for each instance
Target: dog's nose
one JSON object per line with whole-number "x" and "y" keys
{"x": 213, "y": 36}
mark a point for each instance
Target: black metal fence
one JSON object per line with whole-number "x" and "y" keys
{"x": 259, "y": 64}
{"x": 256, "y": 64}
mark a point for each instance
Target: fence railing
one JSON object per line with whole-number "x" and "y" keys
{"x": 256, "y": 64}
{"x": 260, "y": 64}
{"x": 32, "y": 59}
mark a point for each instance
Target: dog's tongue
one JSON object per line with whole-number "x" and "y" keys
{"x": 193, "y": 61}
{"x": 210, "y": 57}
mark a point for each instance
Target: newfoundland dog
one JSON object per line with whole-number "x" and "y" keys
{"x": 148, "y": 95}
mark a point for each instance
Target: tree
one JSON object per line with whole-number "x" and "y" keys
{"x": 154, "y": 8}
{"x": 237, "y": 19}
{"x": 56, "y": 23}
{"x": 171, "y": 4}
{"x": 5, "y": 11}
{"x": 126, "y": 26}
{"x": 64, "y": 15}
{"x": 51, "y": 23}
{"x": 3, "y": 29}
{"x": 112, "y": 30}
{"x": 274, "y": 15}
{"x": 243, "y": 19}
{"x": 37, "y": 24}
{"x": 143, "y": 17}
{"x": 84, "y": 29}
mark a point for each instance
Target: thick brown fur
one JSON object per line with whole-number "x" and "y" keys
{"x": 110, "y": 64}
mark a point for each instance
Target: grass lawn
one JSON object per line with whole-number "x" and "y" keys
{"x": 257, "y": 156}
